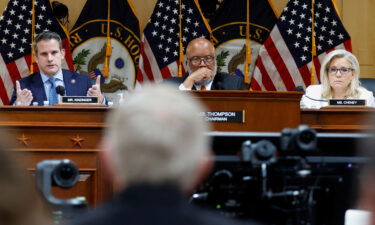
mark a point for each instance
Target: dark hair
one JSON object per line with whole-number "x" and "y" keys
{"x": 46, "y": 35}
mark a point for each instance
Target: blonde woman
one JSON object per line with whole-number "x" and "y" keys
{"x": 339, "y": 77}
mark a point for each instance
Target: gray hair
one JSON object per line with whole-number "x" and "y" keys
{"x": 354, "y": 84}
{"x": 44, "y": 36}
{"x": 156, "y": 137}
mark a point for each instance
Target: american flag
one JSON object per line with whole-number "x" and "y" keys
{"x": 160, "y": 41}
{"x": 285, "y": 59}
{"x": 15, "y": 41}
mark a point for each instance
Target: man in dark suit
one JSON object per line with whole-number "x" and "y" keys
{"x": 202, "y": 70}
{"x": 155, "y": 149}
{"x": 40, "y": 86}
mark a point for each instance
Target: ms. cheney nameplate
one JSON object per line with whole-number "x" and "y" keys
{"x": 347, "y": 102}
{"x": 79, "y": 100}
{"x": 224, "y": 116}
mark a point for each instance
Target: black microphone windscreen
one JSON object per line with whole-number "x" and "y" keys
{"x": 299, "y": 88}
{"x": 60, "y": 90}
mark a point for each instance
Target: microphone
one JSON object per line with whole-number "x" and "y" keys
{"x": 60, "y": 90}
{"x": 299, "y": 88}
{"x": 319, "y": 100}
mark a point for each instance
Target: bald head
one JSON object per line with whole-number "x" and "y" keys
{"x": 197, "y": 51}
{"x": 199, "y": 44}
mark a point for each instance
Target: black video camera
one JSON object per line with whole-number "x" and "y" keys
{"x": 61, "y": 173}
{"x": 301, "y": 140}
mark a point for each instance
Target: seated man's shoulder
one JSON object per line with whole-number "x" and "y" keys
{"x": 73, "y": 73}
{"x": 229, "y": 81}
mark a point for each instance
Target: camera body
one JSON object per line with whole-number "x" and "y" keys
{"x": 301, "y": 140}
{"x": 258, "y": 153}
{"x": 61, "y": 173}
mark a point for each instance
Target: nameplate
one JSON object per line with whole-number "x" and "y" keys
{"x": 347, "y": 102}
{"x": 224, "y": 116}
{"x": 79, "y": 100}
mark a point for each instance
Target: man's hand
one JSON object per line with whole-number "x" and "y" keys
{"x": 24, "y": 96}
{"x": 198, "y": 75}
{"x": 95, "y": 90}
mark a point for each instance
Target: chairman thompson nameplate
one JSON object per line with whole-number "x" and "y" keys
{"x": 224, "y": 116}
{"x": 347, "y": 102}
{"x": 79, "y": 100}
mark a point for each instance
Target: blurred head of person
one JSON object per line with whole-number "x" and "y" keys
{"x": 339, "y": 75}
{"x": 157, "y": 138}
{"x": 19, "y": 202}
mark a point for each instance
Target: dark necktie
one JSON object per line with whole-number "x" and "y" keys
{"x": 203, "y": 88}
{"x": 52, "y": 92}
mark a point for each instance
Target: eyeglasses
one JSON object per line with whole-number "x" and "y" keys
{"x": 343, "y": 71}
{"x": 208, "y": 60}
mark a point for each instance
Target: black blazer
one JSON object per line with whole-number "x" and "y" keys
{"x": 75, "y": 85}
{"x": 221, "y": 82}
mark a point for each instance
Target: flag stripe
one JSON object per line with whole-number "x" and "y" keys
{"x": 173, "y": 68}
{"x": 289, "y": 45}
{"x": 281, "y": 68}
{"x": 317, "y": 67}
{"x": 285, "y": 55}
{"x": 305, "y": 74}
{"x": 13, "y": 70}
{"x": 6, "y": 80}
{"x": 272, "y": 73}
{"x": 156, "y": 73}
{"x": 266, "y": 81}
{"x": 3, "y": 94}
{"x": 144, "y": 65}
{"x": 348, "y": 45}
{"x": 255, "y": 85}
{"x": 22, "y": 67}
{"x": 68, "y": 60}
{"x": 161, "y": 38}
{"x": 165, "y": 72}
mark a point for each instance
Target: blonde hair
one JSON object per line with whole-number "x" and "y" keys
{"x": 156, "y": 137}
{"x": 352, "y": 91}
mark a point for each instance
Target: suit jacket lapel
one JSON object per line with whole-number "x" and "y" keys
{"x": 69, "y": 82}
{"x": 37, "y": 88}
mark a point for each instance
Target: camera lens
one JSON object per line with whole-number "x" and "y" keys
{"x": 306, "y": 139}
{"x": 65, "y": 174}
{"x": 306, "y": 136}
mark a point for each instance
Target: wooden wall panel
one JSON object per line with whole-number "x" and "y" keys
{"x": 359, "y": 21}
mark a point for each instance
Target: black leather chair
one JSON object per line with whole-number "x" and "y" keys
{"x": 368, "y": 83}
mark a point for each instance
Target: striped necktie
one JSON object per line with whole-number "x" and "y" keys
{"x": 52, "y": 92}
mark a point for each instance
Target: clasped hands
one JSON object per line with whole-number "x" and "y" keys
{"x": 200, "y": 74}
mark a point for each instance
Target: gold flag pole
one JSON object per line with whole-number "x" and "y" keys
{"x": 248, "y": 45}
{"x": 313, "y": 42}
{"x": 32, "y": 36}
{"x": 108, "y": 51}
{"x": 181, "y": 52}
